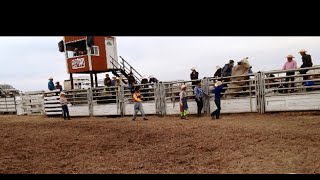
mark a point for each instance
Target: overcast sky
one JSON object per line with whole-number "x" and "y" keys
{"x": 27, "y": 62}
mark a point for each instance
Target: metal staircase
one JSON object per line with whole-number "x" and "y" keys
{"x": 123, "y": 68}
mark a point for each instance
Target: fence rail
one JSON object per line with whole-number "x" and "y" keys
{"x": 261, "y": 92}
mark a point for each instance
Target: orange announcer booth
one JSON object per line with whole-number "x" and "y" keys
{"x": 89, "y": 55}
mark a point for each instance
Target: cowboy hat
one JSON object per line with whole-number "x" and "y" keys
{"x": 302, "y": 50}
{"x": 193, "y": 68}
{"x": 290, "y": 56}
{"x": 50, "y": 78}
{"x": 183, "y": 86}
{"x": 218, "y": 83}
{"x": 62, "y": 93}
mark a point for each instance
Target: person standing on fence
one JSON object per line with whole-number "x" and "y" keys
{"x": 194, "y": 76}
{"x": 227, "y": 69}
{"x": 199, "y": 93}
{"x": 183, "y": 102}
{"x": 217, "y": 99}
{"x": 306, "y": 62}
{"x": 137, "y": 104}
{"x": 290, "y": 64}
{"x": 218, "y": 72}
{"x": 152, "y": 79}
{"x": 58, "y": 86}
{"x": 51, "y": 86}
{"x": 64, "y": 104}
{"x": 131, "y": 82}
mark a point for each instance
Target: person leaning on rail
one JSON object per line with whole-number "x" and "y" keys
{"x": 290, "y": 64}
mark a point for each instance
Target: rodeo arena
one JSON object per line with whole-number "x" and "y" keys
{"x": 136, "y": 123}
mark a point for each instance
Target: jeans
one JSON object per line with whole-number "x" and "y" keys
{"x": 138, "y": 107}
{"x": 289, "y": 79}
{"x": 217, "y": 111}
{"x": 65, "y": 112}
{"x": 304, "y": 72}
{"x": 200, "y": 105}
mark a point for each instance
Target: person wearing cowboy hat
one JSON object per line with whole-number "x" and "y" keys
{"x": 64, "y": 104}
{"x": 199, "y": 95}
{"x": 137, "y": 104}
{"x": 51, "y": 86}
{"x": 217, "y": 99}
{"x": 306, "y": 62}
{"x": 290, "y": 64}
{"x": 58, "y": 86}
{"x": 183, "y": 102}
{"x": 194, "y": 76}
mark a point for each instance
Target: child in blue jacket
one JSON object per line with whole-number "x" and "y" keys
{"x": 217, "y": 99}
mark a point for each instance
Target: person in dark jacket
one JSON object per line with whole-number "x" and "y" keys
{"x": 131, "y": 79}
{"x": 76, "y": 52}
{"x": 194, "y": 76}
{"x": 152, "y": 79}
{"x": 218, "y": 72}
{"x": 306, "y": 62}
{"x": 227, "y": 69}
{"x": 144, "y": 91}
{"x": 51, "y": 86}
{"x": 107, "y": 81}
{"x": 58, "y": 86}
{"x": 217, "y": 99}
{"x": 131, "y": 82}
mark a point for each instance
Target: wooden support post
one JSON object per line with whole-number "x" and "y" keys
{"x": 96, "y": 79}
{"x": 71, "y": 81}
{"x": 91, "y": 78}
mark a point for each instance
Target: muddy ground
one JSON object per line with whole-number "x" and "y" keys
{"x": 242, "y": 143}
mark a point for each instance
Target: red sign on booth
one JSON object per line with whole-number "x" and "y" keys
{"x": 78, "y": 63}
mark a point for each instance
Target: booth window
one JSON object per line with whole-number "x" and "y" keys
{"x": 94, "y": 50}
{"x": 77, "y": 48}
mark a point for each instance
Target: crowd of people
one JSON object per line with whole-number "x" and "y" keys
{"x": 226, "y": 71}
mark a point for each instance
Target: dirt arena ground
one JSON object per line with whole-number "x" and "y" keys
{"x": 242, "y": 143}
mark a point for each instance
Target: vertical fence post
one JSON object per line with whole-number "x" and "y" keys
{"x": 157, "y": 98}
{"x": 250, "y": 94}
{"x": 121, "y": 100}
{"x": 257, "y": 87}
{"x": 90, "y": 101}
{"x": 163, "y": 99}
{"x": 262, "y": 82}
{"x": 43, "y": 110}
{"x": 261, "y": 92}
{"x": 206, "y": 102}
